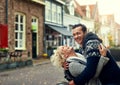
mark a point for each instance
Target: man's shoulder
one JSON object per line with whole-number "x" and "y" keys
{"x": 91, "y": 38}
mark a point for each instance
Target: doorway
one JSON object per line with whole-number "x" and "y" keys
{"x": 34, "y": 45}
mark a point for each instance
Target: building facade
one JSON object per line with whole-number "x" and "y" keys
{"x": 56, "y": 33}
{"x": 24, "y": 19}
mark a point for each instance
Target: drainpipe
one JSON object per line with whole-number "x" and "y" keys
{"x": 44, "y": 31}
{"x": 62, "y": 15}
{"x": 6, "y": 10}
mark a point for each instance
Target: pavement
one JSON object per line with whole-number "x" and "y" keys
{"x": 40, "y": 61}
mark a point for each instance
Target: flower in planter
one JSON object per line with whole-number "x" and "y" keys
{"x": 3, "y": 49}
{"x": 45, "y": 55}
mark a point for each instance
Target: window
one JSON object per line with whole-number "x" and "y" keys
{"x": 71, "y": 8}
{"x": 54, "y": 13}
{"x": 34, "y": 24}
{"x": 48, "y": 11}
{"x": 19, "y": 31}
{"x": 59, "y": 15}
{"x": 70, "y": 27}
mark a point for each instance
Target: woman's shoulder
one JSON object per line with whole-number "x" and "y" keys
{"x": 79, "y": 58}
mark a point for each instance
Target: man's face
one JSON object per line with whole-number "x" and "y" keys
{"x": 78, "y": 35}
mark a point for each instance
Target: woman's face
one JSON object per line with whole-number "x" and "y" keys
{"x": 65, "y": 50}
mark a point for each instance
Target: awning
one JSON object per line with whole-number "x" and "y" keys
{"x": 61, "y": 30}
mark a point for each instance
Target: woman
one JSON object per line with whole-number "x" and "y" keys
{"x": 77, "y": 63}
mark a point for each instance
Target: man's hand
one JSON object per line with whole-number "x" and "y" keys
{"x": 71, "y": 83}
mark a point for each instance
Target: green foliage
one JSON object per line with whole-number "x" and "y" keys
{"x": 3, "y": 50}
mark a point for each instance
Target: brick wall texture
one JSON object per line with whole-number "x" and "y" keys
{"x": 29, "y": 9}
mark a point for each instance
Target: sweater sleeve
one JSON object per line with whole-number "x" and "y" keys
{"x": 92, "y": 55}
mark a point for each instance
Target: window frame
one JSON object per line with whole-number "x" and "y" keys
{"x": 48, "y": 11}
{"x": 19, "y": 31}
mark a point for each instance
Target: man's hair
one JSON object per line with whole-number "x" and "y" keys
{"x": 84, "y": 28}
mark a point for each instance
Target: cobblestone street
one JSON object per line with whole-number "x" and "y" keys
{"x": 44, "y": 74}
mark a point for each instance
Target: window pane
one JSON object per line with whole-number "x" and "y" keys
{"x": 20, "y": 43}
{"x": 16, "y": 26}
{"x": 21, "y": 19}
{"x": 21, "y": 27}
{"x": 16, "y": 18}
{"x": 16, "y": 43}
{"x": 21, "y": 34}
{"x": 16, "y": 35}
{"x": 34, "y": 20}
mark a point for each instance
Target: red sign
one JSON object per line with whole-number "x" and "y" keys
{"x": 3, "y": 36}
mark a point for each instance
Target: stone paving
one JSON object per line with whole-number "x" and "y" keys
{"x": 41, "y": 61}
{"x": 41, "y": 73}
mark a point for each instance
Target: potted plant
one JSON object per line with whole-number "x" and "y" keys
{"x": 3, "y": 52}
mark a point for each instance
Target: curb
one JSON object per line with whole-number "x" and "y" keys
{"x": 41, "y": 62}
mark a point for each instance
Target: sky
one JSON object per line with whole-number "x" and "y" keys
{"x": 105, "y": 7}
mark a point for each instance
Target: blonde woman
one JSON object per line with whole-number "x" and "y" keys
{"x": 77, "y": 63}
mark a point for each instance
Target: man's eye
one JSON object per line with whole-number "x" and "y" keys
{"x": 78, "y": 33}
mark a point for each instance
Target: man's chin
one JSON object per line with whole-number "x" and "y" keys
{"x": 79, "y": 42}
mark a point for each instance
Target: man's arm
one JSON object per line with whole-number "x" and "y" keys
{"x": 92, "y": 55}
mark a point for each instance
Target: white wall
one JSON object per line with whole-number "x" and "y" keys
{"x": 71, "y": 20}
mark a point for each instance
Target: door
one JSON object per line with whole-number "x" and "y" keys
{"x": 34, "y": 45}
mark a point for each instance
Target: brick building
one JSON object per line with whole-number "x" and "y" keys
{"x": 24, "y": 19}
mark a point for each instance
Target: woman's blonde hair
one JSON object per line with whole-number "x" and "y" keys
{"x": 57, "y": 58}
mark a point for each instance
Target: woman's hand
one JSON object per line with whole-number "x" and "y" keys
{"x": 71, "y": 83}
{"x": 65, "y": 65}
{"x": 68, "y": 51}
{"x": 102, "y": 49}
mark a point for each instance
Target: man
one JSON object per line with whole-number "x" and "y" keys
{"x": 110, "y": 74}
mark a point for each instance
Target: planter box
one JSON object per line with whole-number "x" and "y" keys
{"x": 21, "y": 64}
{"x": 12, "y": 65}
{"x": 3, "y": 66}
{"x": 29, "y": 62}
